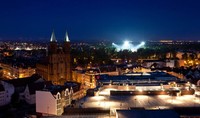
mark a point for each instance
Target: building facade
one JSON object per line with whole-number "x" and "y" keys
{"x": 11, "y": 72}
{"x": 57, "y": 66}
{"x": 53, "y": 103}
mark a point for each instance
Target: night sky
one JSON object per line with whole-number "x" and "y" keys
{"x": 88, "y": 20}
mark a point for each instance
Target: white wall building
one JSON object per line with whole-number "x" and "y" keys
{"x": 53, "y": 103}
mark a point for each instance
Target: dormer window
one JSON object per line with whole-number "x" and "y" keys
{"x": 58, "y": 96}
{"x": 66, "y": 92}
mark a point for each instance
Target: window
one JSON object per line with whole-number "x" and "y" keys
{"x": 58, "y": 96}
{"x": 66, "y": 92}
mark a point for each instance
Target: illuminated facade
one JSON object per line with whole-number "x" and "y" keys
{"x": 78, "y": 76}
{"x": 90, "y": 80}
{"x": 11, "y": 72}
{"x": 56, "y": 67}
{"x": 91, "y": 76}
{"x": 53, "y": 103}
{"x": 87, "y": 79}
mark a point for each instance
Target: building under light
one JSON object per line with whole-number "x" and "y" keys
{"x": 151, "y": 83}
{"x": 10, "y": 72}
{"x": 52, "y": 100}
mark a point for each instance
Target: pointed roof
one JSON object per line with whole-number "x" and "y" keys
{"x": 53, "y": 37}
{"x": 66, "y": 37}
{"x": 71, "y": 90}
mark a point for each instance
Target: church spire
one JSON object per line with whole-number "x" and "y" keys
{"x": 53, "y": 37}
{"x": 66, "y": 37}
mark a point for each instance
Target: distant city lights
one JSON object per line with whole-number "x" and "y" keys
{"x": 127, "y": 45}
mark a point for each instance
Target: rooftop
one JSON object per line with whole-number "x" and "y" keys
{"x": 147, "y": 114}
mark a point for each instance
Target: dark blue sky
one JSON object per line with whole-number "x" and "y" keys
{"x": 100, "y": 19}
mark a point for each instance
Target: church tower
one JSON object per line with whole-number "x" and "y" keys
{"x": 53, "y": 44}
{"x": 59, "y": 66}
{"x": 66, "y": 50}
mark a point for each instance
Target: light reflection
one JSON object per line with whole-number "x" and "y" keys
{"x": 97, "y": 98}
{"x": 106, "y": 91}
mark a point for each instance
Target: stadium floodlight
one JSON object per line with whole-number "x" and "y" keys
{"x": 142, "y": 43}
{"x": 127, "y": 45}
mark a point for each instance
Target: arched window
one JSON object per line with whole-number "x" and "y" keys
{"x": 66, "y": 92}
{"x": 58, "y": 96}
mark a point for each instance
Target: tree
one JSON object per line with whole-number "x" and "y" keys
{"x": 184, "y": 56}
{"x": 191, "y": 57}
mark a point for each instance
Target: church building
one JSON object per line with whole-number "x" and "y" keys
{"x": 56, "y": 67}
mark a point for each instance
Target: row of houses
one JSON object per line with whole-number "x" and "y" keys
{"x": 10, "y": 71}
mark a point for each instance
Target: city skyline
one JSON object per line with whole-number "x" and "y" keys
{"x": 100, "y": 20}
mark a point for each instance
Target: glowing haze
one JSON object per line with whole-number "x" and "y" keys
{"x": 127, "y": 45}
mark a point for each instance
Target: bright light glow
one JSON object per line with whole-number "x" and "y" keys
{"x": 97, "y": 98}
{"x": 142, "y": 43}
{"x": 136, "y": 74}
{"x": 127, "y": 45}
{"x": 140, "y": 90}
{"x": 140, "y": 97}
{"x": 106, "y": 92}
